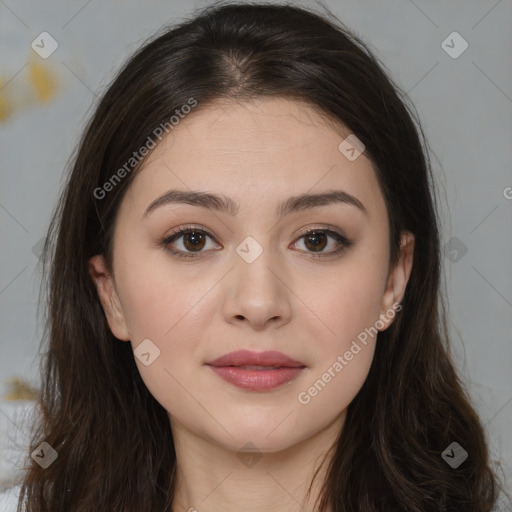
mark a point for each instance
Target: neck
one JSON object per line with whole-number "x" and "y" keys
{"x": 213, "y": 478}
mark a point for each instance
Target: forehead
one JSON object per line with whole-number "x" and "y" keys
{"x": 254, "y": 151}
{"x": 224, "y": 128}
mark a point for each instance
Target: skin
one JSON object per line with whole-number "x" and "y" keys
{"x": 194, "y": 310}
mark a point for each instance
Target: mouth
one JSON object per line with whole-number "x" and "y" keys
{"x": 253, "y": 371}
{"x": 252, "y": 367}
{"x": 262, "y": 379}
{"x": 247, "y": 359}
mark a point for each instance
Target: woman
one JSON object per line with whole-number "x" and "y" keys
{"x": 244, "y": 288}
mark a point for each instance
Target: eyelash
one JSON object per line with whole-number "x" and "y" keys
{"x": 178, "y": 232}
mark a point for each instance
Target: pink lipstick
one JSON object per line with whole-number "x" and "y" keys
{"x": 256, "y": 371}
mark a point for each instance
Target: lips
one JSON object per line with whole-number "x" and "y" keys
{"x": 249, "y": 360}
{"x": 256, "y": 371}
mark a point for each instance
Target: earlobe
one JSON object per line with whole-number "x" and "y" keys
{"x": 109, "y": 299}
{"x": 398, "y": 277}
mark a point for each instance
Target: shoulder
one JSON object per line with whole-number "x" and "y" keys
{"x": 9, "y": 499}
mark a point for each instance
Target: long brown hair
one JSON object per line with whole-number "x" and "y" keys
{"x": 113, "y": 439}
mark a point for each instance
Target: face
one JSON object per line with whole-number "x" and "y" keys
{"x": 311, "y": 283}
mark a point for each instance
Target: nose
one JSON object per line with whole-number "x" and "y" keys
{"x": 258, "y": 292}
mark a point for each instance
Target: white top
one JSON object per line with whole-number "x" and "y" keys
{"x": 9, "y": 499}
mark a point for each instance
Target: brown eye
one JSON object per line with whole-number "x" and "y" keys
{"x": 316, "y": 240}
{"x": 194, "y": 240}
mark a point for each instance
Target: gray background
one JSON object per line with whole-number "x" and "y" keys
{"x": 465, "y": 105}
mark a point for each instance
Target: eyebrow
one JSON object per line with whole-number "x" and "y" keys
{"x": 225, "y": 204}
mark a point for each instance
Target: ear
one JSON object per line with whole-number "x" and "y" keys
{"x": 398, "y": 279}
{"x": 109, "y": 298}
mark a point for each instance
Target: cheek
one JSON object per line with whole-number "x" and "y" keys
{"x": 157, "y": 295}
{"x": 345, "y": 350}
{"x": 345, "y": 339}
{"x": 350, "y": 303}
{"x": 170, "y": 305}
{"x": 162, "y": 309}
